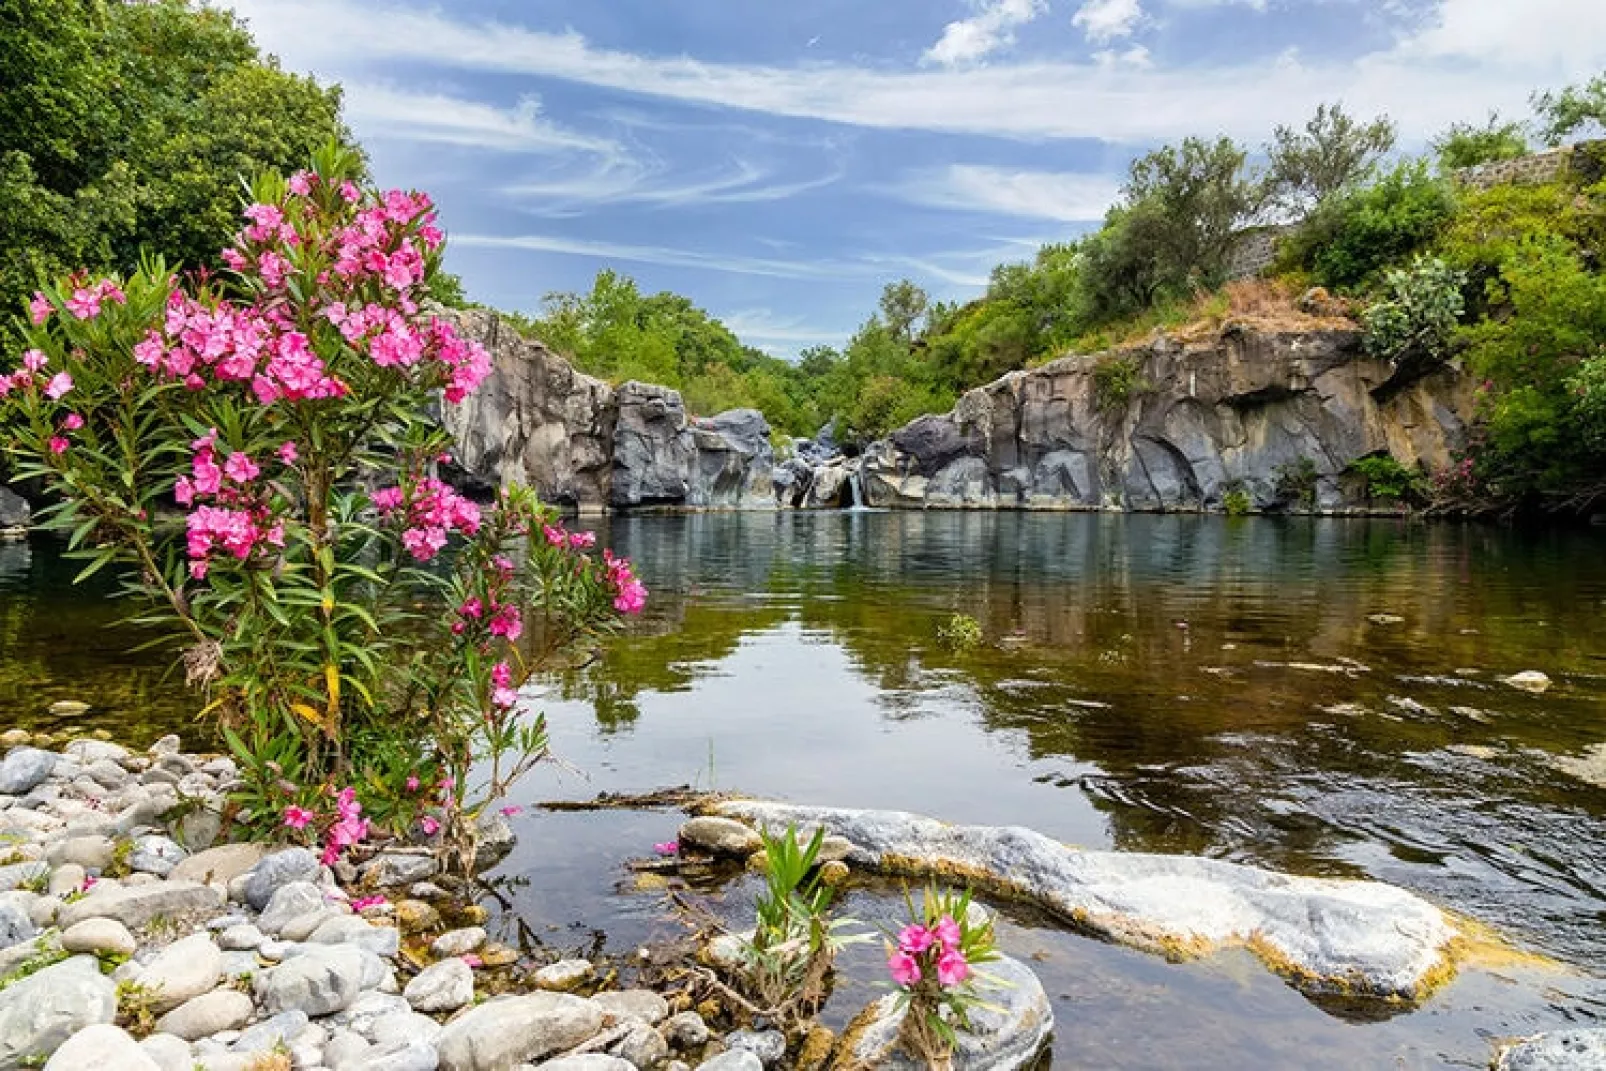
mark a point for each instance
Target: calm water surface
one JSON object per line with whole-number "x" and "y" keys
{"x": 1315, "y": 696}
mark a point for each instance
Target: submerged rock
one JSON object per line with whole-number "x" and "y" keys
{"x": 722, "y": 836}
{"x": 1589, "y": 767}
{"x": 1322, "y": 933}
{"x": 1529, "y": 680}
{"x": 1008, "y": 1030}
{"x": 1562, "y": 1050}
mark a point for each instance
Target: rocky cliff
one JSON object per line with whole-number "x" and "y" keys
{"x": 1238, "y": 410}
{"x": 581, "y": 443}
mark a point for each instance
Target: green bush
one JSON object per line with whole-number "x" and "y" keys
{"x": 1468, "y": 145}
{"x": 1296, "y": 482}
{"x": 1412, "y": 329}
{"x": 1351, "y": 238}
{"x": 1237, "y": 502}
{"x": 1116, "y": 380}
{"x": 1385, "y": 479}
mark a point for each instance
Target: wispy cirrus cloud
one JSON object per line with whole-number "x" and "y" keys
{"x": 988, "y": 30}
{"x": 1065, "y": 197}
{"x": 635, "y": 182}
{"x": 381, "y": 110}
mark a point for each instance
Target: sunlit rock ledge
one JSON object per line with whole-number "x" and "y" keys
{"x": 1323, "y": 934}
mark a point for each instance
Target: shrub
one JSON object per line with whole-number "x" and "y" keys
{"x": 1352, "y": 237}
{"x": 1296, "y": 482}
{"x": 1468, "y": 145}
{"x": 933, "y": 963}
{"x": 1117, "y": 379}
{"x": 286, "y": 411}
{"x": 1384, "y": 478}
{"x": 1413, "y": 328}
{"x": 1331, "y": 154}
{"x": 1237, "y": 502}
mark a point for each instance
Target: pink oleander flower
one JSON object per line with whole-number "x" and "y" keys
{"x": 198, "y": 570}
{"x": 34, "y": 361}
{"x": 429, "y": 825}
{"x": 668, "y": 847}
{"x": 240, "y": 468}
{"x": 472, "y": 960}
{"x": 301, "y": 183}
{"x": 952, "y": 968}
{"x": 387, "y": 500}
{"x": 915, "y": 939}
{"x": 58, "y": 445}
{"x": 948, "y": 932}
{"x": 555, "y": 535}
{"x": 298, "y": 817}
{"x": 350, "y": 193}
{"x": 287, "y": 453}
{"x": 363, "y": 903}
{"x": 507, "y": 622}
{"x": 84, "y": 304}
{"x": 72, "y": 422}
{"x": 905, "y": 971}
{"x": 59, "y": 385}
{"x": 472, "y": 608}
{"x": 511, "y": 811}
{"x": 39, "y": 308}
{"x": 412, "y": 783}
{"x": 581, "y": 540}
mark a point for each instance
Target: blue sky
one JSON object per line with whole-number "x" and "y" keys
{"x": 777, "y": 162}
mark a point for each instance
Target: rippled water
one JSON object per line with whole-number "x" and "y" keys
{"x": 1236, "y": 688}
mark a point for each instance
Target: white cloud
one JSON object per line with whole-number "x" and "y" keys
{"x": 991, "y": 28}
{"x": 636, "y": 183}
{"x": 1467, "y": 57}
{"x": 764, "y": 326}
{"x": 1065, "y": 197}
{"x": 1105, "y": 20}
{"x": 382, "y": 111}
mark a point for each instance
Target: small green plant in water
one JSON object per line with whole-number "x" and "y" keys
{"x": 960, "y": 632}
{"x": 788, "y": 959}
{"x": 933, "y": 962}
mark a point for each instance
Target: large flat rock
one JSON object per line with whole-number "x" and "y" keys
{"x": 1323, "y": 934}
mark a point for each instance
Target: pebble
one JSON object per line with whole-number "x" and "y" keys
{"x": 564, "y": 975}
{"x": 642, "y": 1004}
{"x": 458, "y": 942}
{"x": 768, "y": 1045}
{"x": 242, "y": 937}
{"x": 1529, "y": 680}
{"x": 99, "y": 936}
{"x": 351, "y": 930}
{"x": 686, "y": 1031}
{"x": 208, "y": 1014}
{"x": 643, "y": 1047}
{"x": 24, "y": 770}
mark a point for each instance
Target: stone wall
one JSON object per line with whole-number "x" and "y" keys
{"x": 1255, "y": 251}
{"x": 1583, "y": 159}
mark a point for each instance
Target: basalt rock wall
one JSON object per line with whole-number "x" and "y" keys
{"x": 1235, "y": 412}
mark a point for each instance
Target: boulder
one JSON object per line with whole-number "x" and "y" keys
{"x": 208, "y": 1014}
{"x": 733, "y": 462}
{"x": 136, "y": 905}
{"x": 102, "y": 1047}
{"x": 99, "y": 937}
{"x": 441, "y": 987}
{"x": 503, "y": 1032}
{"x": 298, "y": 900}
{"x": 322, "y": 980}
{"x": 357, "y": 932}
{"x": 277, "y": 870}
{"x": 1361, "y": 936}
{"x": 24, "y": 770}
{"x": 1561, "y": 1050}
{"x": 722, "y": 836}
{"x": 183, "y": 970}
{"x": 653, "y": 456}
{"x": 642, "y": 1004}
{"x": 458, "y": 942}
{"x": 16, "y": 925}
{"x": 768, "y": 1045}
{"x": 219, "y": 865}
{"x": 40, "y": 1012}
{"x": 168, "y": 1052}
{"x": 1008, "y": 1030}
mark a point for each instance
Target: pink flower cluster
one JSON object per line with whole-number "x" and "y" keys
{"x": 432, "y": 511}
{"x": 502, "y": 693}
{"x": 350, "y": 826}
{"x": 630, "y": 594}
{"x": 246, "y": 345}
{"x": 937, "y": 947}
{"x": 240, "y": 522}
{"x": 85, "y": 301}
{"x": 558, "y": 536}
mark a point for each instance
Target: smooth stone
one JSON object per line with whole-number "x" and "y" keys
{"x": 343, "y": 1049}
{"x": 734, "y": 1060}
{"x": 219, "y": 865}
{"x": 564, "y": 975}
{"x": 768, "y": 1045}
{"x": 494, "y": 841}
{"x": 240, "y": 938}
{"x": 722, "y": 836}
{"x": 644, "y": 1047}
{"x": 87, "y": 750}
{"x": 24, "y": 770}
{"x": 102, "y": 936}
{"x": 16, "y": 925}
{"x": 299, "y": 929}
{"x": 155, "y": 854}
{"x": 170, "y": 744}
{"x": 351, "y": 930}
{"x": 240, "y": 965}
{"x": 66, "y": 879}
{"x": 134, "y": 906}
{"x": 101, "y": 1047}
{"x": 500, "y": 1033}
{"x": 412, "y": 1056}
{"x": 587, "y": 1061}
{"x": 1009, "y": 1029}
{"x": 269, "y": 1033}
{"x": 1529, "y": 680}
{"x": 321, "y": 980}
{"x": 685, "y": 1031}
{"x": 294, "y": 901}
{"x": 369, "y": 1009}
{"x": 458, "y": 942}
{"x": 103, "y": 771}
{"x": 208, "y": 1014}
{"x": 642, "y": 1004}
{"x": 404, "y": 1028}
{"x": 184, "y": 969}
{"x": 1560, "y": 1050}
{"x": 168, "y": 1052}
{"x": 391, "y": 870}
{"x": 441, "y": 987}
{"x": 39, "y": 1013}
{"x": 278, "y": 870}
{"x": 415, "y": 916}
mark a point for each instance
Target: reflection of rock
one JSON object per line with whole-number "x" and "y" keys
{"x": 14, "y": 510}
{"x": 1589, "y": 767}
{"x": 1563, "y": 1050}
{"x": 1007, "y": 1031}
{"x": 1324, "y": 934}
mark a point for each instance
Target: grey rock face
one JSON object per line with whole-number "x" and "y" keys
{"x": 501, "y": 1033}
{"x": 278, "y": 869}
{"x": 1221, "y": 414}
{"x": 136, "y": 905}
{"x": 1008, "y": 1031}
{"x": 734, "y": 1060}
{"x": 24, "y": 770}
{"x": 1561, "y": 1050}
{"x": 43, "y": 1010}
{"x": 734, "y": 462}
{"x": 392, "y": 870}
{"x": 1366, "y": 935}
{"x": 652, "y": 454}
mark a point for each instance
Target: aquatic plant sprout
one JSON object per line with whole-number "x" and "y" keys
{"x": 256, "y": 453}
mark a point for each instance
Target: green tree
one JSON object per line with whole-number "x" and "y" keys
{"x": 1197, "y": 196}
{"x": 903, "y": 307}
{"x": 1468, "y": 144}
{"x": 1573, "y": 111}
{"x": 130, "y": 127}
{"x": 1349, "y": 240}
{"x": 1331, "y": 154}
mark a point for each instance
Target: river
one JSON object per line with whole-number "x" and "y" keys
{"x": 1317, "y": 696}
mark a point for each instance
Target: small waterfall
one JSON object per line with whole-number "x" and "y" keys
{"x": 856, "y": 483}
